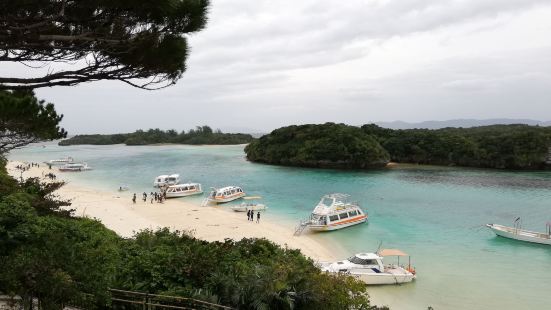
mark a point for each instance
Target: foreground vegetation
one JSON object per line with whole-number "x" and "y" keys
{"x": 49, "y": 255}
{"x": 200, "y": 135}
{"x": 342, "y": 146}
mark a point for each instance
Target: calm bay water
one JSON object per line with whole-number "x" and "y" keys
{"x": 436, "y": 214}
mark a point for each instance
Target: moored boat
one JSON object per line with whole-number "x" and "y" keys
{"x": 61, "y": 161}
{"x": 183, "y": 190}
{"x": 250, "y": 205}
{"x": 166, "y": 180}
{"x": 517, "y": 233}
{"x": 369, "y": 268}
{"x": 225, "y": 194}
{"x": 72, "y": 167}
{"x": 333, "y": 212}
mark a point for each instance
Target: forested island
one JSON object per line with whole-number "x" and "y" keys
{"x": 342, "y": 146}
{"x": 327, "y": 145}
{"x": 197, "y": 136}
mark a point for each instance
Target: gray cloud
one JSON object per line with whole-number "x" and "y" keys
{"x": 263, "y": 64}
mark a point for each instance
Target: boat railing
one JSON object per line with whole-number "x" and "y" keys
{"x": 301, "y": 226}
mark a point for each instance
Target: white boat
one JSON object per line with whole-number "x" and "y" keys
{"x": 250, "y": 205}
{"x": 520, "y": 234}
{"x": 369, "y": 268}
{"x": 333, "y": 212}
{"x": 164, "y": 180}
{"x": 225, "y": 194}
{"x": 183, "y": 190}
{"x": 123, "y": 188}
{"x": 61, "y": 161}
{"x": 75, "y": 167}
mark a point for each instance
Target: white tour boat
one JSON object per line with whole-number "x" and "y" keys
{"x": 518, "y": 233}
{"x": 250, "y": 205}
{"x": 61, "y": 161}
{"x": 333, "y": 212}
{"x": 369, "y": 268}
{"x": 165, "y": 179}
{"x": 225, "y": 194}
{"x": 183, "y": 190}
{"x": 75, "y": 167}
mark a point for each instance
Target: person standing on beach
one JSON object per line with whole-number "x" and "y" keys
{"x": 134, "y": 198}
{"x": 258, "y": 217}
{"x": 248, "y": 215}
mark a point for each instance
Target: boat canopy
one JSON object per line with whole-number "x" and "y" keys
{"x": 391, "y": 252}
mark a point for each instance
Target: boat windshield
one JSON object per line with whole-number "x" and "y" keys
{"x": 360, "y": 261}
{"x": 327, "y": 201}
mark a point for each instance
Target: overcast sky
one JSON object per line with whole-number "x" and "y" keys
{"x": 264, "y": 64}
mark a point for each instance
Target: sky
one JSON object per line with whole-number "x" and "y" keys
{"x": 262, "y": 64}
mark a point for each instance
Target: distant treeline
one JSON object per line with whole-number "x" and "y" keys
{"x": 343, "y": 146}
{"x": 199, "y": 135}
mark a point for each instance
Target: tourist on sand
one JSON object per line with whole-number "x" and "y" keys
{"x": 134, "y": 198}
{"x": 248, "y": 215}
{"x": 151, "y": 199}
{"x": 144, "y": 196}
{"x": 258, "y": 217}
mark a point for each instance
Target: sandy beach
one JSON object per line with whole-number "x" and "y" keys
{"x": 116, "y": 211}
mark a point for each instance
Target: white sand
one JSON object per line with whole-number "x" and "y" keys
{"x": 116, "y": 211}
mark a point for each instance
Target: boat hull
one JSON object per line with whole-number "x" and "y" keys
{"x": 519, "y": 234}
{"x": 247, "y": 208}
{"x": 384, "y": 278}
{"x": 337, "y": 226}
{"x": 73, "y": 169}
{"x": 226, "y": 199}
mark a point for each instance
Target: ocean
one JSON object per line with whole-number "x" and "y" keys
{"x": 435, "y": 214}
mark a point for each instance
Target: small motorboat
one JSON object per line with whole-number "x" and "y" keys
{"x": 369, "y": 268}
{"x": 516, "y": 232}
{"x": 250, "y": 205}
{"x": 60, "y": 161}
{"x": 166, "y": 180}
{"x": 183, "y": 190}
{"x": 123, "y": 188}
{"x": 225, "y": 194}
{"x": 333, "y": 212}
{"x": 75, "y": 167}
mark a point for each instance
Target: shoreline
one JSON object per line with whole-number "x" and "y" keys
{"x": 117, "y": 212}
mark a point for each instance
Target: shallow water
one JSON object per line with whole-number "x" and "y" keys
{"x": 436, "y": 214}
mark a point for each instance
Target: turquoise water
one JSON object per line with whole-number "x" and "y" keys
{"x": 436, "y": 214}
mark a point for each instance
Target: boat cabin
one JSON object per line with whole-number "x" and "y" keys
{"x": 173, "y": 179}
{"x": 165, "y": 179}
{"x": 370, "y": 261}
{"x": 226, "y": 192}
{"x": 189, "y": 187}
{"x": 334, "y": 211}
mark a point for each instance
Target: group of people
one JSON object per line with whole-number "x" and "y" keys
{"x": 25, "y": 167}
{"x": 50, "y": 176}
{"x": 154, "y": 196}
{"x": 250, "y": 216}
